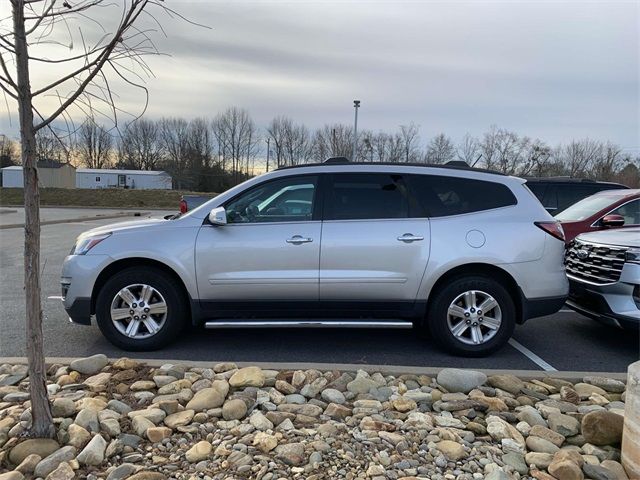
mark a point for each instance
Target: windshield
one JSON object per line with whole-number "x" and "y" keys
{"x": 585, "y": 208}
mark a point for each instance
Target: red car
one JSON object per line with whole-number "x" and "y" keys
{"x": 606, "y": 209}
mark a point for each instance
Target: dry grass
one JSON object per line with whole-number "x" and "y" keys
{"x": 111, "y": 198}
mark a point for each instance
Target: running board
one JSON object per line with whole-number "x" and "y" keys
{"x": 308, "y": 323}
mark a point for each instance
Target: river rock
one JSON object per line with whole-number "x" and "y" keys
{"x": 38, "y": 446}
{"x": 93, "y": 453}
{"x": 62, "y": 472}
{"x": 89, "y": 365}
{"x": 247, "y": 377}
{"x": 291, "y": 453}
{"x": 457, "y": 380}
{"x": 234, "y": 409}
{"x": 51, "y": 462}
{"x": 199, "y": 451}
{"x": 602, "y": 427}
{"x": 508, "y": 383}
{"x": 206, "y": 399}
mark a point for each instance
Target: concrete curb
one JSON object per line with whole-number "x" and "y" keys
{"x": 78, "y": 219}
{"x": 573, "y": 376}
{"x": 95, "y": 207}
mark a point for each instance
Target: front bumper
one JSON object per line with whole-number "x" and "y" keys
{"x": 80, "y": 311}
{"x": 79, "y": 274}
{"x": 612, "y": 304}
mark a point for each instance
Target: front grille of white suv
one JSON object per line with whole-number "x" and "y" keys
{"x": 593, "y": 262}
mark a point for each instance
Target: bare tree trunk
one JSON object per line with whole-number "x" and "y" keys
{"x": 42, "y": 425}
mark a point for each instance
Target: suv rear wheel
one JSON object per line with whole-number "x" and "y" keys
{"x": 472, "y": 316}
{"x": 141, "y": 308}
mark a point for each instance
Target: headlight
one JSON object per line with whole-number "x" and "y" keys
{"x": 84, "y": 244}
{"x": 632, "y": 255}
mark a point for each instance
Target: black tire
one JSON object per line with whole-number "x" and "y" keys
{"x": 167, "y": 285}
{"x": 437, "y": 315}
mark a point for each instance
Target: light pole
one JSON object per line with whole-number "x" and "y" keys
{"x": 268, "y": 152}
{"x": 356, "y": 105}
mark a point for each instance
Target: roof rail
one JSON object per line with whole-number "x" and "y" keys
{"x": 337, "y": 160}
{"x": 457, "y": 163}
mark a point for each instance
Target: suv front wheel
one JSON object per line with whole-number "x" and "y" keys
{"x": 472, "y": 316}
{"x": 141, "y": 308}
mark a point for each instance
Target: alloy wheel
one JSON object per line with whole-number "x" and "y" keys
{"x": 474, "y": 317}
{"x": 138, "y": 311}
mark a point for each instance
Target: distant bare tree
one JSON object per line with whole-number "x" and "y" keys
{"x": 174, "y": 136}
{"x": 578, "y": 156}
{"x": 93, "y": 145}
{"x": 334, "y": 140}
{"x": 200, "y": 145}
{"x": 608, "y": 162}
{"x": 291, "y": 142}
{"x": 410, "y": 136}
{"x": 141, "y": 146}
{"x": 440, "y": 150}
{"x": 50, "y": 146}
{"x": 8, "y": 151}
{"x": 238, "y": 140}
{"x": 469, "y": 150}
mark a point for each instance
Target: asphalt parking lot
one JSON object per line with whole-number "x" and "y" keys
{"x": 564, "y": 341}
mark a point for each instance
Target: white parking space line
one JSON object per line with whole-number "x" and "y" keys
{"x": 566, "y": 310}
{"x": 54, "y": 297}
{"x": 531, "y": 356}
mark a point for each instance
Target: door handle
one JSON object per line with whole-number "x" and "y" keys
{"x": 299, "y": 239}
{"x": 410, "y": 237}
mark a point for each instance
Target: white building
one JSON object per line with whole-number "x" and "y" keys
{"x": 50, "y": 174}
{"x": 109, "y": 178}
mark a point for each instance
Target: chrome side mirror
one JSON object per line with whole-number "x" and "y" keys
{"x": 218, "y": 216}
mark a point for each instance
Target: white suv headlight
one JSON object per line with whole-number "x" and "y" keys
{"x": 84, "y": 244}
{"x": 632, "y": 255}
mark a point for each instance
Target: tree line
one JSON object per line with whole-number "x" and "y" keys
{"x": 213, "y": 154}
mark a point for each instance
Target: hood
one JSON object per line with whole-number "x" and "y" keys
{"x": 626, "y": 237}
{"x": 123, "y": 226}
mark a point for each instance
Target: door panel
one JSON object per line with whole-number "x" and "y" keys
{"x": 371, "y": 249}
{"x": 364, "y": 260}
{"x": 270, "y": 248}
{"x": 258, "y": 261}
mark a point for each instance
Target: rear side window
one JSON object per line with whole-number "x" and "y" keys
{"x": 441, "y": 196}
{"x": 364, "y": 196}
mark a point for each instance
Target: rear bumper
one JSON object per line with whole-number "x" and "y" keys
{"x": 540, "y": 307}
{"x": 80, "y": 311}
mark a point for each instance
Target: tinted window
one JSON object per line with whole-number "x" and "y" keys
{"x": 366, "y": 196}
{"x": 537, "y": 189}
{"x": 287, "y": 200}
{"x": 630, "y": 211}
{"x": 441, "y": 196}
{"x": 570, "y": 194}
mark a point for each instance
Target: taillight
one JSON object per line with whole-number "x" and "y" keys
{"x": 552, "y": 228}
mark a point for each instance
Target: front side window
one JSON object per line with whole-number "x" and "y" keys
{"x": 442, "y": 196}
{"x": 286, "y": 200}
{"x": 630, "y": 211}
{"x": 365, "y": 196}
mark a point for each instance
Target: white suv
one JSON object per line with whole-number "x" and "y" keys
{"x": 463, "y": 253}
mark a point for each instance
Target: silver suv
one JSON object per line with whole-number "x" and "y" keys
{"x": 462, "y": 253}
{"x": 604, "y": 274}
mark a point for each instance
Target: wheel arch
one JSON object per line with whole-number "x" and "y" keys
{"x": 124, "y": 263}
{"x": 483, "y": 269}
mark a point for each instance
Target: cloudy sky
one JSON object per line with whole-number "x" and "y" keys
{"x": 548, "y": 69}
